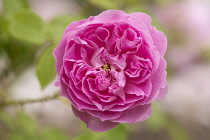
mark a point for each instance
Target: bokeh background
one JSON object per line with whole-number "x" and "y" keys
{"x": 30, "y": 29}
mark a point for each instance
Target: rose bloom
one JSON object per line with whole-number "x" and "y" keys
{"x": 111, "y": 68}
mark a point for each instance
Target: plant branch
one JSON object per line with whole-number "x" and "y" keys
{"x": 23, "y": 102}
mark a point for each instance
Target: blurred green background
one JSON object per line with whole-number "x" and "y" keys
{"x": 31, "y": 29}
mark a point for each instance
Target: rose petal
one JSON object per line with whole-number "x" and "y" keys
{"x": 96, "y": 61}
{"x": 111, "y": 16}
{"x": 134, "y": 115}
{"x": 94, "y": 123}
{"x": 74, "y": 53}
{"x": 104, "y": 115}
{"x": 162, "y": 93}
{"x": 160, "y": 41}
{"x": 139, "y": 25}
{"x": 158, "y": 81}
{"x": 121, "y": 108}
{"x": 146, "y": 86}
{"x": 159, "y": 77}
{"x": 133, "y": 89}
{"x": 79, "y": 94}
{"x": 79, "y": 103}
{"x": 60, "y": 50}
{"x": 102, "y": 33}
{"x": 74, "y": 25}
{"x": 78, "y": 40}
{"x": 143, "y": 17}
{"x": 64, "y": 91}
{"x": 132, "y": 98}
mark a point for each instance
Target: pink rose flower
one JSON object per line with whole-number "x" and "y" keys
{"x": 111, "y": 68}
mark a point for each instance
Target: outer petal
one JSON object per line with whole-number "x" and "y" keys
{"x": 160, "y": 41}
{"x": 138, "y": 113}
{"x": 162, "y": 92}
{"x": 94, "y": 123}
{"x": 139, "y": 25}
{"x": 74, "y": 25}
{"x": 59, "y": 51}
{"x": 64, "y": 91}
{"x": 159, "y": 77}
{"x": 143, "y": 17}
{"x": 104, "y": 115}
{"x": 158, "y": 81}
{"x": 111, "y": 16}
{"x": 159, "y": 38}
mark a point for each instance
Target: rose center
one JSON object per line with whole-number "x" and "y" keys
{"x": 106, "y": 67}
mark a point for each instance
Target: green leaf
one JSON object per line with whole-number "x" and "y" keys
{"x": 18, "y": 54}
{"x": 27, "y": 26}
{"x": 45, "y": 69}
{"x": 13, "y": 6}
{"x": 57, "y": 26}
{"x": 104, "y": 4}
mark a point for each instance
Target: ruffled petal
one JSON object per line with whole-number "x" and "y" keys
{"x": 138, "y": 113}
{"x": 162, "y": 93}
{"x": 159, "y": 77}
{"x": 74, "y": 25}
{"x": 158, "y": 81}
{"x": 133, "y": 89}
{"x": 104, "y": 115}
{"x": 159, "y": 38}
{"x": 94, "y": 123}
{"x": 143, "y": 17}
{"x": 160, "y": 41}
{"x": 59, "y": 51}
{"x": 111, "y": 16}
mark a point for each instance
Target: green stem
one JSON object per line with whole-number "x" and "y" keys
{"x": 23, "y": 102}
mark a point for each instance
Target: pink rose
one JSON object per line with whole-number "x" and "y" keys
{"x": 111, "y": 68}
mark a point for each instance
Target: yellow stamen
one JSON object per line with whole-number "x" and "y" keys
{"x": 106, "y": 67}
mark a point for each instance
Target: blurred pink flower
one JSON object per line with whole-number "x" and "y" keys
{"x": 111, "y": 68}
